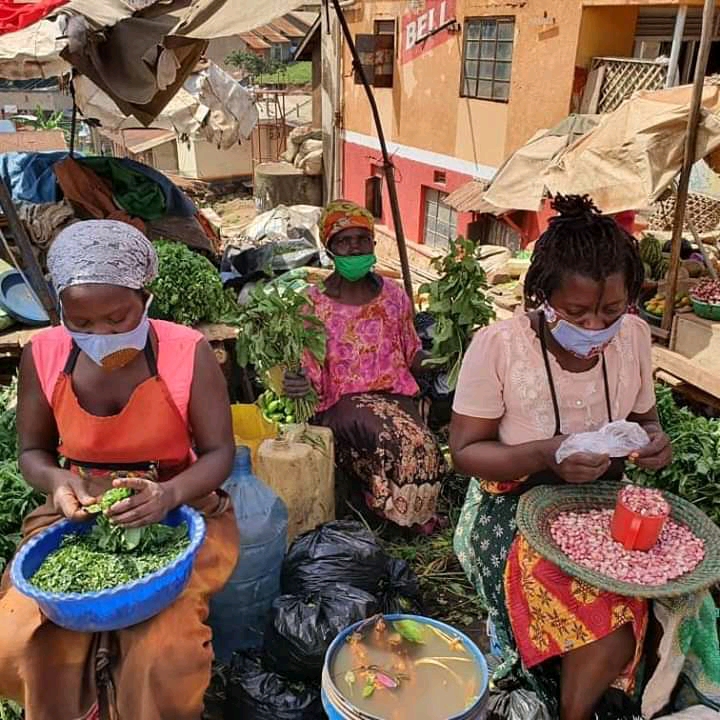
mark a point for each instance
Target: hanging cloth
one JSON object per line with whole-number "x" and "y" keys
{"x": 18, "y": 15}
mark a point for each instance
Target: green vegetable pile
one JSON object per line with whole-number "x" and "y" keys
{"x": 277, "y": 409}
{"x": 17, "y": 498}
{"x": 188, "y": 289}
{"x": 695, "y": 471}
{"x": 459, "y": 305}
{"x": 277, "y": 326}
{"x": 109, "y": 556}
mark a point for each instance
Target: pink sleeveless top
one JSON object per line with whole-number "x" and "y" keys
{"x": 175, "y": 359}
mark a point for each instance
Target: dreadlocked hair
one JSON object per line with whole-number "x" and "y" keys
{"x": 580, "y": 240}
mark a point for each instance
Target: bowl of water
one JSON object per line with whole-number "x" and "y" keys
{"x": 404, "y": 667}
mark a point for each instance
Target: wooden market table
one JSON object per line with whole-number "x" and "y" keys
{"x": 13, "y": 341}
{"x": 692, "y": 358}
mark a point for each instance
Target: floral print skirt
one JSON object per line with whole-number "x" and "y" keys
{"x": 382, "y": 444}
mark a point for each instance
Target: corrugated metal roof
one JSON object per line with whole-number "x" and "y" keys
{"x": 254, "y": 42}
{"x": 271, "y": 35}
{"x": 467, "y": 197}
{"x": 33, "y": 141}
{"x": 287, "y": 28}
{"x": 139, "y": 140}
{"x": 304, "y": 20}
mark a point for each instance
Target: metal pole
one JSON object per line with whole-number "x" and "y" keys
{"x": 708, "y": 22}
{"x": 387, "y": 162}
{"x": 678, "y": 33}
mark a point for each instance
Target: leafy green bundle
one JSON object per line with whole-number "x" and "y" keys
{"x": 695, "y": 471}
{"x": 109, "y": 556}
{"x": 17, "y": 498}
{"x": 277, "y": 325}
{"x": 459, "y": 305}
{"x": 188, "y": 289}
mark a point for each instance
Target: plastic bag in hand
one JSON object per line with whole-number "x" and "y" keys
{"x": 616, "y": 440}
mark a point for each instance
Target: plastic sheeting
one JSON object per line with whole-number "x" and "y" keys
{"x": 211, "y": 104}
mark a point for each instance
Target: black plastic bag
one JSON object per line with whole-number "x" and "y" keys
{"x": 343, "y": 551}
{"x": 400, "y": 590}
{"x": 516, "y": 705}
{"x": 301, "y": 628}
{"x": 253, "y": 693}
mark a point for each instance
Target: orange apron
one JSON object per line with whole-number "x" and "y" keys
{"x": 150, "y": 671}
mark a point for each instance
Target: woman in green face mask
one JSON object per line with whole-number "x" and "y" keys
{"x": 366, "y": 385}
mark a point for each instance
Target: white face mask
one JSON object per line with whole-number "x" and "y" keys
{"x": 115, "y": 350}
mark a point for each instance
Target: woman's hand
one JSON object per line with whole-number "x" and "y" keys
{"x": 150, "y": 504}
{"x": 656, "y": 455}
{"x": 583, "y": 468}
{"x": 71, "y": 494}
{"x": 296, "y": 385}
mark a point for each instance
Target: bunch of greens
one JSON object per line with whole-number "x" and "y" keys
{"x": 10, "y": 711}
{"x": 115, "y": 539}
{"x": 695, "y": 471}
{"x": 108, "y": 555}
{"x": 277, "y": 326}
{"x": 188, "y": 289}
{"x": 459, "y": 305}
{"x": 17, "y": 498}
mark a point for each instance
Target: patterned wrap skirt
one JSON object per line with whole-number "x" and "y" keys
{"x": 538, "y": 612}
{"x": 382, "y": 444}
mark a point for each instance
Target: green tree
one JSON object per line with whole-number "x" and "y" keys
{"x": 253, "y": 64}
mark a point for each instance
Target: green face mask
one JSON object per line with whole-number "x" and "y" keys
{"x": 354, "y": 267}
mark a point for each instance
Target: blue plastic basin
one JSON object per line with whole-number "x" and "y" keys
{"x": 119, "y": 607}
{"x": 338, "y": 707}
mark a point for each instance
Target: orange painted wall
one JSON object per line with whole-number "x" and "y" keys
{"x": 606, "y": 32}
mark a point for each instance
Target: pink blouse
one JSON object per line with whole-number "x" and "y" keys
{"x": 370, "y": 348}
{"x": 503, "y": 376}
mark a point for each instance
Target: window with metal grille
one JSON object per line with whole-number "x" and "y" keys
{"x": 377, "y": 54}
{"x": 440, "y": 223}
{"x": 487, "y": 58}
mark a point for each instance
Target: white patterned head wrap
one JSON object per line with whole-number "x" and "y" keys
{"x": 102, "y": 252}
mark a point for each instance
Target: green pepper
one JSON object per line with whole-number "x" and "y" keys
{"x": 289, "y": 419}
{"x": 274, "y": 406}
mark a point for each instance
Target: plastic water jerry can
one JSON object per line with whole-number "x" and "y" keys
{"x": 238, "y": 614}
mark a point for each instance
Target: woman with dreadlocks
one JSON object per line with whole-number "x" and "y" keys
{"x": 572, "y": 362}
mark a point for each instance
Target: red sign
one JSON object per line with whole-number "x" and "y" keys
{"x": 425, "y": 30}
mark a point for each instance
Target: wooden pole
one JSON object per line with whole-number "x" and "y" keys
{"x": 689, "y": 158}
{"x": 387, "y": 162}
{"x": 31, "y": 266}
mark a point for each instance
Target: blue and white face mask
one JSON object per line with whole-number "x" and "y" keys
{"x": 116, "y": 350}
{"x": 582, "y": 343}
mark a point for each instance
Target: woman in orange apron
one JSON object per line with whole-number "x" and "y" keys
{"x": 127, "y": 402}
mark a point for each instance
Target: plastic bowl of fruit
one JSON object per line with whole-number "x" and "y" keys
{"x": 116, "y": 608}
{"x": 705, "y": 299}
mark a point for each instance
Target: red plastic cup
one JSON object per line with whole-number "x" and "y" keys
{"x": 633, "y": 530}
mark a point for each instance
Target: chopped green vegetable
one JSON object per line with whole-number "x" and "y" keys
{"x": 458, "y": 304}
{"x": 82, "y": 563}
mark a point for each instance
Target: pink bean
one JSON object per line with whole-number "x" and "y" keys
{"x": 585, "y": 538}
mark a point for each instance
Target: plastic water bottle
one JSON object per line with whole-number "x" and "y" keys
{"x": 238, "y": 614}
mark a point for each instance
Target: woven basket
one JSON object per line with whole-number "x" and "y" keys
{"x": 540, "y": 506}
{"x": 703, "y": 211}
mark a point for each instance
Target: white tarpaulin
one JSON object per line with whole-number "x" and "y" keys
{"x": 210, "y": 105}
